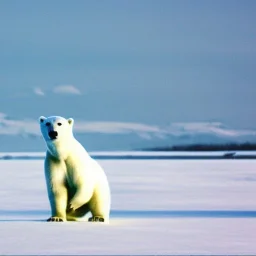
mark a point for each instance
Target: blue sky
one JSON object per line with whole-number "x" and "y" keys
{"x": 147, "y": 62}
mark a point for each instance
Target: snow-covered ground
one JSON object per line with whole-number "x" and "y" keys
{"x": 158, "y": 207}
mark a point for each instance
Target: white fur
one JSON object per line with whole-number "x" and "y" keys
{"x": 74, "y": 180}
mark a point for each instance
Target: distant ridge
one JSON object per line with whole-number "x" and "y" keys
{"x": 207, "y": 147}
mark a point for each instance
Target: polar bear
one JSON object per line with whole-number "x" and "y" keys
{"x": 76, "y": 183}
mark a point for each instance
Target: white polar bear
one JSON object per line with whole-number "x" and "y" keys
{"x": 76, "y": 183}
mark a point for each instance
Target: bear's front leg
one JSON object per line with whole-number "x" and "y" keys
{"x": 57, "y": 191}
{"x": 82, "y": 196}
{"x": 58, "y": 201}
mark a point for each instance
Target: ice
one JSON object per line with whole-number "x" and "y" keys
{"x": 158, "y": 207}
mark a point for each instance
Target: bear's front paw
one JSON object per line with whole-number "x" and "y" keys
{"x": 55, "y": 219}
{"x": 73, "y": 206}
{"x": 70, "y": 209}
{"x": 96, "y": 219}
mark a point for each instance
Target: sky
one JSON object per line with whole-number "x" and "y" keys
{"x": 144, "y": 62}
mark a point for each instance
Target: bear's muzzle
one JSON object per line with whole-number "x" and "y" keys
{"x": 53, "y": 135}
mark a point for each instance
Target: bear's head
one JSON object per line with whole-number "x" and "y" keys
{"x": 56, "y": 128}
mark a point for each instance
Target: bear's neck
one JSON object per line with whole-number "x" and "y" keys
{"x": 60, "y": 149}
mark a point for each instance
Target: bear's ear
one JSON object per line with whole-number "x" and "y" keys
{"x": 71, "y": 121}
{"x": 41, "y": 119}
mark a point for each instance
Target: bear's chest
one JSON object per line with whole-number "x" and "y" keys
{"x": 74, "y": 172}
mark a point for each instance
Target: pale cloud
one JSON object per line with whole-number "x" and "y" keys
{"x": 66, "y": 89}
{"x": 215, "y": 128}
{"x": 114, "y": 127}
{"x": 145, "y": 135}
{"x": 175, "y": 129}
{"x": 9, "y": 126}
{"x": 38, "y": 91}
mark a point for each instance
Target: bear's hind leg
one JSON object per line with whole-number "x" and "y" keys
{"x": 100, "y": 209}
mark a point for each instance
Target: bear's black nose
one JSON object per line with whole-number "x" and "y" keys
{"x": 53, "y": 134}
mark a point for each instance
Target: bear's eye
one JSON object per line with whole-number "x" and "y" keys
{"x": 48, "y": 124}
{"x": 59, "y": 124}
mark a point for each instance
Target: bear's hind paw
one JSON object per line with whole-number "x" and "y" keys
{"x": 55, "y": 219}
{"x": 96, "y": 219}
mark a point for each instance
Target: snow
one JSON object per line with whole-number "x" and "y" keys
{"x": 158, "y": 207}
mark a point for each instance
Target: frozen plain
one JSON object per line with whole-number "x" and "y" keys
{"x": 158, "y": 207}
